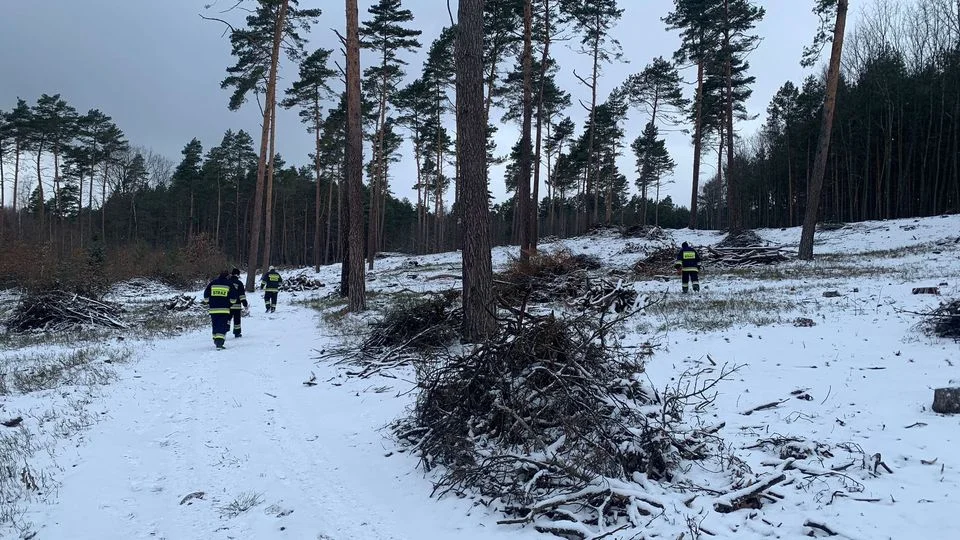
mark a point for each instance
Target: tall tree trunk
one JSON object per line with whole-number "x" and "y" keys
{"x": 103, "y": 202}
{"x": 378, "y": 177}
{"x": 343, "y": 237}
{"x": 523, "y": 180}
{"x": 479, "y": 321}
{"x": 56, "y": 183}
{"x": 43, "y": 200}
{"x": 733, "y": 190}
{"x": 697, "y": 146}
{"x": 591, "y": 151}
{"x": 317, "y": 257}
{"x": 16, "y": 174}
{"x": 216, "y": 234}
{"x": 354, "y": 169}
{"x": 268, "y": 207}
{"x": 326, "y": 239}
{"x": 544, "y": 58}
{"x": 823, "y": 142}
{"x": 264, "y": 143}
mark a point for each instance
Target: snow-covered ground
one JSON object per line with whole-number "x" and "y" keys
{"x": 315, "y": 462}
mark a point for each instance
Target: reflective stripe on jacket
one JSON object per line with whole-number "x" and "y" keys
{"x": 220, "y": 296}
{"x": 271, "y": 281}
{"x": 241, "y": 293}
{"x": 688, "y": 259}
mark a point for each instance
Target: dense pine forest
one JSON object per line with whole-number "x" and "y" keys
{"x": 77, "y": 194}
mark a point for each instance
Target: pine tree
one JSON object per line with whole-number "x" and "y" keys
{"x": 653, "y": 161}
{"x": 112, "y": 144}
{"x": 186, "y": 179}
{"x": 414, "y": 103}
{"x": 479, "y": 319}
{"x": 354, "y": 164}
{"x": 275, "y": 25}
{"x": 20, "y": 121}
{"x": 5, "y": 148}
{"x": 558, "y": 137}
{"x": 594, "y": 20}
{"x": 696, "y": 20}
{"x": 780, "y": 124}
{"x": 308, "y": 93}
{"x": 55, "y": 123}
{"x": 438, "y": 77}
{"x": 839, "y": 9}
{"x": 658, "y": 91}
{"x": 386, "y": 36}
{"x": 739, "y": 18}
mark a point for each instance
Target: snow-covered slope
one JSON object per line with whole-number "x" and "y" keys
{"x": 242, "y": 428}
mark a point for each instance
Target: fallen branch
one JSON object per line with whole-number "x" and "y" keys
{"x": 765, "y": 406}
{"x": 742, "y": 497}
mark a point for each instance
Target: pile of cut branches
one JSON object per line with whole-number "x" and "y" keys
{"x": 656, "y": 263}
{"x": 746, "y": 256}
{"x": 744, "y": 248}
{"x": 545, "y": 277}
{"x": 552, "y": 419}
{"x": 408, "y": 329}
{"x": 648, "y": 232}
{"x": 56, "y": 311}
{"x": 604, "y": 296}
{"x": 944, "y": 321}
{"x": 741, "y": 239}
{"x": 301, "y": 282}
{"x": 180, "y": 302}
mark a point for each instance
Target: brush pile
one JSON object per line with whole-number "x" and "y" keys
{"x": 744, "y": 248}
{"x": 180, "y": 302}
{"x": 658, "y": 262}
{"x": 301, "y": 282}
{"x": 553, "y": 420}
{"x": 410, "y": 328}
{"x": 646, "y": 232}
{"x": 944, "y": 321}
{"x": 745, "y": 256}
{"x": 546, "y": 277}
{"x": 58, "y": 311}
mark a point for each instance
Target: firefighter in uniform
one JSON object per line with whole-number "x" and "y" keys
{"x": 238, "y": 309}
{"x": 270, "y": 283}
{"x": 220, "y": 296}
{"x": 688, "y": 266}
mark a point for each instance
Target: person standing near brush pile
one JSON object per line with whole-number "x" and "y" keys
{"x": 688, "y": 266}
{"x": 238, "y": 309}
{"x": 270, "y": 283}
{"x": 219, "y": 297}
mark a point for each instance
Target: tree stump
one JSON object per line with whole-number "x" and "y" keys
{"x": 926, "y": 290}
{"x": 946, "y": 400}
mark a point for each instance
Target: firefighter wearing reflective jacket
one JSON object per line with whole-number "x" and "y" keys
{"x": 236, "y": 310}
{"x": 270, "y": 283}
{"x": 688, "y": 266}
{"x": 220, "y": 296}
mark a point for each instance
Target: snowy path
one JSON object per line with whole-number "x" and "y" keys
{"x": 186, "y": 418}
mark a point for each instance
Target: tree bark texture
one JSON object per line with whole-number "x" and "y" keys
{"x": 823, "y": 142}
{"x": 357, "y": 301}
{"x": 264, "y": 143}
{"x": 478, "y": 301}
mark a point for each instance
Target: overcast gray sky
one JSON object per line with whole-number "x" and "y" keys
{"x": 156, "y": 67}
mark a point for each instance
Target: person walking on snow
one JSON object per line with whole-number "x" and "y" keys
{"x": 241, "y": 307}
{"x": 219, "y": 297}
{"x": 270, "y": 283}
{"x": 688, "y": 266}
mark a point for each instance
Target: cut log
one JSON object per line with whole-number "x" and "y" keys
{"x": 926, "y": 290}
{"x": 946, "y": 400}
